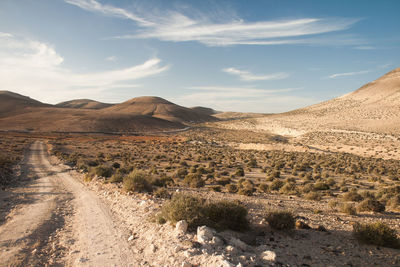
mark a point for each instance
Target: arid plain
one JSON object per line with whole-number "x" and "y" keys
{"x": 86, "y": 183}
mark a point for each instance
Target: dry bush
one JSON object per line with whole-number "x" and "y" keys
{"x": 280, "y": 220}
{"x": 232, "y": 188}
{"x": 379, "y": 234}
{"x": 348, "y": 209}
{"x": 370, "y": 205}
{"x": 313, "y": 196}
{"x": 196, "y": 212}
{"x": 194, "y": 180}
{"x": 137, "y": 181}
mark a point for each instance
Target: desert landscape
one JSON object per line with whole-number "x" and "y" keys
{"x": 285, "y": 189}
{"x": 199, "y": 133}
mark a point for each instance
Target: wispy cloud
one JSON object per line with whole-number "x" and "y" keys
{"x": 245, "y": 99}
{"x": 248, "y": 76}
{"x": 177, "y": 27}
{"x": 336, "y": 75}
{"x": 35, "y": 68}
{"x": 94, "y": 6}
{"x": 111, "y": 58}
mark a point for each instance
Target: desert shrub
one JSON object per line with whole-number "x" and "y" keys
{"x": 181, "y": 173}
{"x": 313, "y": 196}
{"x": 281, "y": 220}
{"x": 194, "y": 180}
{"x": 162, "y": 193}
{"x": 103, "y": 171}
{"x": 394, "y": 202}
{"x": 263, "y": 187}
{"x": 352, "y": 196}
{"x": 195, "y": 211}
{"x": 348, "y": 208}
{"x": 216, "y": 188}
{"x": 379, "y": 234}
{"x": 307, "y": 188}
{"x": 276, "y": 185}
{"x": 321, "y": 186}
{"x": 116, "y": 178}
{"x": 162, "y": 181}
{"x": 227, "y": 215}
{"x": 223, "y": 181}
{"x": 239, "y": 172}
{"x": 137, "y": 181}
{"x": 333, "y": 204}
{"x": 288, "y": 188}
{"x": 246, "y": 188}
{"x": 232, "y": 188}
{"x": 370, "y": 205}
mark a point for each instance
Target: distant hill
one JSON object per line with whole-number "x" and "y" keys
{"x": 142, "y": 114}
{"x": 204, "y": 110}
{"x": 160, "y": 108}
{"x": 13, "y": 103}
{"x": 83, "y": 103}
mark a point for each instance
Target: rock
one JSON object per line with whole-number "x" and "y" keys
{"x": 225, "y": 263}
{"x": 181, "y": 226}
{"x": 302, "y": 225}
{"x": 142, "y": 203}
{"x": 268, "y": 255}
{"x": 186, "y": 264}
{"x": 232, "y": 251}
{"x": 238, "y": 243}
{"x": 131, "y": 238}
{"x": 321, "y": 228}
{"x": 204, "y": 234}
{"x": 217, "y": 241}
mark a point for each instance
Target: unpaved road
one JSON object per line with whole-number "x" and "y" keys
{"x": 58, "y": 222}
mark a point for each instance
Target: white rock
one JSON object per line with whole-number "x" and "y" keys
{"x": 238, "y": 243}
{"x": 268, "y": 255}
{"x": 204, "y": 234}
{"x": 130, "y": 238}
{"x": 181, "y": 226}
{"x": 225, "y": 263}
{"x": 142, "y": 203}
{"x": 186, "y": 264}
{"x": 231, "y": 250}
{"x": 217, "y": 241}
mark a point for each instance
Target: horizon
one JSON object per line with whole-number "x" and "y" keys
{"x": 263, "y": 57}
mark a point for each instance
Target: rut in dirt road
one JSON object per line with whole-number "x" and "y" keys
{"x": 36, "y": 232}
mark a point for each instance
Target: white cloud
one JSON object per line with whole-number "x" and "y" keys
{"x": 248, "y": 76}
{"x": 173, "y": 26}
{"x": 35, "y": 69}
{"x": 112, "y": 58}
{"x": 244, "y": 99}
{"x": 348, "y": 74}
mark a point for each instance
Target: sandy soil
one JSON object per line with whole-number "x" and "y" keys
{"x": 62, "y": 222}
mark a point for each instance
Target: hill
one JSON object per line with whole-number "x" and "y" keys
{"x": 84, "y": 104}
{"x": 160, "y": 108}
{"x": 11, "y": 103}
{"x": 204, "y": 110}
{"x": 374, "y": 107}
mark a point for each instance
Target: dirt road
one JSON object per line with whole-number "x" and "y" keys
{"x": 57, "y": 221}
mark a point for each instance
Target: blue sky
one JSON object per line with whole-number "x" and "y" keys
{"x": 251, "y": 56}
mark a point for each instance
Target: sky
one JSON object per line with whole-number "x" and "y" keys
{"x": 262, "y": 56}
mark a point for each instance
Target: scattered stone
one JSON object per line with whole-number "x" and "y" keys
{"x": 321, "y": 228}
{"x": 181, "y": 226}
{"x": 268, "y": 255}
{"x": 238, "y": 243}
{"x": 186, "y": 264}
{"x": 217, "y": 241}
{"x": 204, "y": 234}
{"x": 131, "y": 238}
{"x": 302, "y": 225}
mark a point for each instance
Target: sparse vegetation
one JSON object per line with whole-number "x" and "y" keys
{"x": 281, "y": 220}
{"x": 377, "y": 233}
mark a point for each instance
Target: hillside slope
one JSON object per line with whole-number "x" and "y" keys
{"x": 84, "y": 104}
{"x": 375, "y": 107}
{"x": 160, "y": 108}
